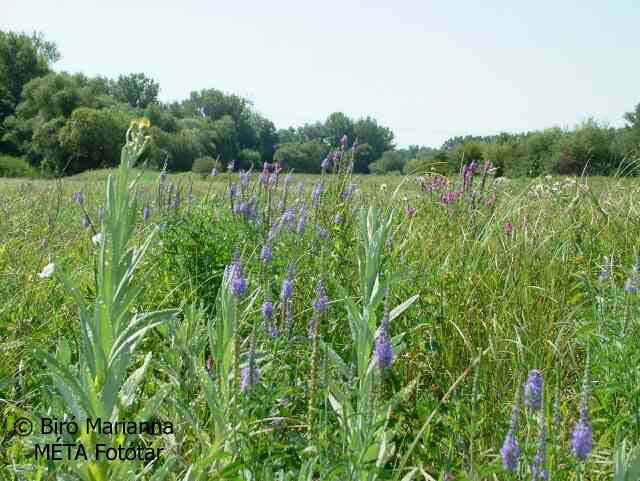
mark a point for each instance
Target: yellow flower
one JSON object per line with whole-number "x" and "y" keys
{"x": 141, "y": 122}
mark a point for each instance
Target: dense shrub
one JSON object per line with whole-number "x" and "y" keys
{"x": 204, "y": 165}
{"x": 15, "y": 167}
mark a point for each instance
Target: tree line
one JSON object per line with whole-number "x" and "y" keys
{"x": 58, "y": 123}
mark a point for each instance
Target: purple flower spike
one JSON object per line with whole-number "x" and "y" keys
{"x": 302, "y": 220}
{"x": 250, "y": 378}
{"x": 582, "y": 439}
{"x": 266, "y": 255}
{"x": 533, "y": 390}
{"x": 382, "y": 349}
{"x": 321, "y": 301}
{"x": 287, "y": 289}
{"x": 267, "y": 310}
{"x": 78, "y": 198}
{"x": 343, "y": 141}
{"x": 238, "y": 280}
{"x": 146, "y": 213}
{"x": 510, "y": 452}
{"x": 582, "y": 436}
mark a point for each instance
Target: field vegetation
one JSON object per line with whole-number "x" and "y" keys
{"x": 333, "y": 326}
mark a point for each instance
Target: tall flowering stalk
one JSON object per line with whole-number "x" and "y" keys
{"x": 319, "y": 307}
{"x": 110, "y": 328}
{"x": 582, "y": 436}
{"x": 510, "y": 451}
{"x": 363, "y": 418}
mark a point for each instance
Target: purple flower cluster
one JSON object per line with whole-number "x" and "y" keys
{"x": 510, "y": 450}
{"x": 383, "y": 350}
{"x": 238, "y": 279}
{"x": 434, "y": 183}
{"x": 468, "y": 171}
{"x": 321, "y": 301}
{"x": 250, "y": 378}
{"x": 582, "y": 436}
{"x": 302, "y": 220}
{"x": 287, "y": 288}
{"x": 318, "y": 190}
{"x": 266, "y": 254}
{"x": 450, "y": 197}
{"x": 533, "y": 390}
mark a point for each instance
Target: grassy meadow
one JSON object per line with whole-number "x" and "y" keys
{"x": 407, "y": 327}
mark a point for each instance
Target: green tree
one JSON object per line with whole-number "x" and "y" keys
{"x": 22, "y": 58}
{"x": 368, "y": 131}
{"x": 136, "y": 89}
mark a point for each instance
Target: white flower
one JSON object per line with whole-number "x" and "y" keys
{"x": 383, "y": 187}
{"x": 96, "y": 239}
{"x": 47, "y": 271}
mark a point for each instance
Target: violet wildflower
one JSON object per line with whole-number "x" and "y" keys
{"x": 267, "y": 310}
{"x": 86, "y": 222}
{"x": 214, "y": 172}
{"x": 326, "y": 163}
{"x": 322, "y": 232}
{"x": 343, "y": 141}
{"x": 321, "y": 301}
{"x": 383, "y": 350}
{"x": 287, "y": 288}
{"x": 240, "y": 208}
{"x": 538, "y": 470}
{"x": 250, "y": 378}
{"x": 318, "y": 189}
{"x": 238, "y": 280}
{"x": 302, "y": 220}
{"x": 348, "y": 190}
{"x": 288, "y": 218}
{"x": 409, "y": 211}
{"x": 78, "y": 197}
{"x": 582, "y": 436}
{"x": 354, "y": 147}
{"x": 100, "y": 215}
{"x": 508, "y": 228}
{"x": 266, "y": 255}
{"x": 233, "y": 191}
{"x": 337, "y": 219}
{"x": 146, "y": 213}
{"x": 533, "y": 389}
{"x": 467, "y": 174}
{"x": 510, "y": 450}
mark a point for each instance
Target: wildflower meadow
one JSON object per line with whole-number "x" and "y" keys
{"x": 268, "y": 325}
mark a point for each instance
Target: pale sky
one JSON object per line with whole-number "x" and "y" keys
{"x": 429, "y": 70}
